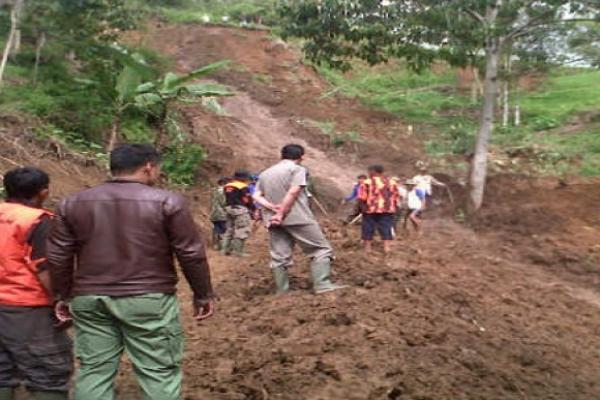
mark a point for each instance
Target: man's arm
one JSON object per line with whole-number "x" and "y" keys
{"x": 436, "y": 182}
{"x": 262, "y": 200}
{"x": 352, "y": 195}
{"x": 61, "y": 248}
{"x": 188, "y": 247}
{"x": 37, "y": 240}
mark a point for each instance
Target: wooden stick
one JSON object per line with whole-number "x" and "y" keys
{"x": 318, "y": 203}
{"x": 355, "y": 220}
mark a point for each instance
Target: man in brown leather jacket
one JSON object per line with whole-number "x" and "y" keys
{"x": 111, "y": 256}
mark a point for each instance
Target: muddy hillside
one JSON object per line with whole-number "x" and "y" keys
{"x": 504, "y": 307}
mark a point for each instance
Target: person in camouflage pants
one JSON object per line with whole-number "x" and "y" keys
{"x": 218, "y": 215}
{"x": 239, "y": 205}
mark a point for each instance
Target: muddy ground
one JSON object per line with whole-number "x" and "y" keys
{"x": 504, "y": 306}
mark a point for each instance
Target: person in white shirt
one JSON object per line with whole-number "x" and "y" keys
{"x": 415, "y": 202}
{"x": 425, "y": 182}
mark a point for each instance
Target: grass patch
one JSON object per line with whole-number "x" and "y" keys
{"x": 418, "y": 98}
{"x": 564, "y": 94}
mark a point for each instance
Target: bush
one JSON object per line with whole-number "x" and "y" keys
{"x": 181, "y": 161}
{"x": 544, "y": 123}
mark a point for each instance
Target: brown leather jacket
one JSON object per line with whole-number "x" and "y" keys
{"x": 119, "y": 239}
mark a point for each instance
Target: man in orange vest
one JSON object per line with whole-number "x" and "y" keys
{"x": 379, "y": 200}
{"x": 33, "y": 349}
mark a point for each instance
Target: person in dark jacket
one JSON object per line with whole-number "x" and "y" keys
{"x": 33, "y": 349}
{"x": 111, "y": 255}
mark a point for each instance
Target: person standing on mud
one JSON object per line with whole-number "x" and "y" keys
{"x": 239, "y": 207}
{"x": 111, "y": 254}
{"x": 282, "y": 192}
{"x": 218, "y": 215}
{"x": 353, "y": 197}
{"x": 33, "y": 349}
{"x": 379, "y": 198}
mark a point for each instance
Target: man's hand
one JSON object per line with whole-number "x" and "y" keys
{"x": 276, "y": 219}
{"x": 62, "y": 312}
{"x": 203, "y": 309}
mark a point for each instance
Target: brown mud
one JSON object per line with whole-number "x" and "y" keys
{"x": 504, "y": 307}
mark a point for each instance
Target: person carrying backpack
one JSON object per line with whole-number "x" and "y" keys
{"x": 239, "y": 206}
{"x": 379, "y": 200}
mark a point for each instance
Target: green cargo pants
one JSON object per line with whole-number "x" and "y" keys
{"x": 145, "y": 326}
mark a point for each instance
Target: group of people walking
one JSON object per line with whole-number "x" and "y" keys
{"x": 382, "y": 202}
{"x": 104, "y": 263}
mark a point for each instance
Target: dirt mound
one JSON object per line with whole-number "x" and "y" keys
{"x": 69, "y": 171}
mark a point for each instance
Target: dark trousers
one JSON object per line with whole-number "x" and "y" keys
{"x": 382, "y": 223}
{"x": 32, "y": 351}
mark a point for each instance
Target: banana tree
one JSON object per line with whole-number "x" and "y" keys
{"x": 157, "y": 97}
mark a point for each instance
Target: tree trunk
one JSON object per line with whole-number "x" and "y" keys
{"x": 506, "y": 91}
{"x": 38, "y": 54}
{"x": 490, "y": 90}
{"x": 16, "y": 48}
{"x": 114, "y": 132}
{"x": 478, "y": 85}
{"x": 505, "y": 105}
{"x": 517, "y": 115}
{"x": 14, "y": 22}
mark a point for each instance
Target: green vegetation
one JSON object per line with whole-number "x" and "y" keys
{"x": 564, "y": 94}
{"x": 448, "y": 118}
{"x": 87, "y": 93}
{"x": 419, "y": 98}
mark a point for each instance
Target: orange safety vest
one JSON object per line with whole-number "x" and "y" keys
{"x": 19, "y": 283}
{"x": 378, "y": 194}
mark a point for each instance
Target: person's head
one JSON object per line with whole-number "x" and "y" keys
{"x": 293, "y": 152}
{"x": 223, "y": 181}
{"x": 136, "y": 161}
{"x": 375, "y": 170}
{"x": 361, "y": 178}
{"x": 28, "y": 185}
{"x": 421, "y": 166}
{"x": 242, "y": 175}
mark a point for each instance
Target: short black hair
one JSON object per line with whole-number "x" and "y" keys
{"x": 242, "y": 174}
{"x": 361, "y": 176}
{"x": 129, "y": 158}
{"x": 378, "y": 169}
{"x": 25, "y": 183}
{"x": 292, "y": 152}
{"x": 223, "y": 181}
